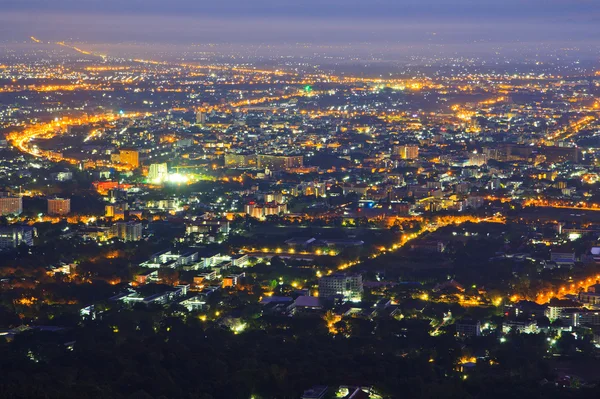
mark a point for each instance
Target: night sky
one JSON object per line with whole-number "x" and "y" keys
{"x": 409, "y": 22}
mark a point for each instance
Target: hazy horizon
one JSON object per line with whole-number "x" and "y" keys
{"x": 428, "y": 25}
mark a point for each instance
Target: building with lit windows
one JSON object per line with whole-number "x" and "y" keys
{"x": 128, "y": 231}
{"x": 406, "y": 151}
{"x": 556, "y": 308}
{"x": 12, "y": 237}
{"x": 200, "y": 117}
{"x": 280, "y": 162}
{"x": 129, "y": 157}
{"x": 116, "y": 211}
{"x": 59, "y": 206}
{"x": 261, "y": 211}
{"x": 347, "y": 286}
{"x": 158, "y": 172}
{"x": 240, "y": 160}
{"x": 232, "y": 280}
{"x": 468, "y": 328}
{"x": 591, "y": 297}
{"x": 11, "y": 206}
{"x": 62, "y": 176}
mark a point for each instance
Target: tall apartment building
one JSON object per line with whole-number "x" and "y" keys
{"x": 406, "y": 151}
{"x": 200, "y": 117}
{"x": 59, "y": 206}
{"x": 158, "y": 172}
{"x": 11, "y": 206}
{"x": 129, "y": 157}
{"x": 348, "y": 286}
{"x": 128, "y": 231}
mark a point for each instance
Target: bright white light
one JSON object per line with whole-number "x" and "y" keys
{"x": 176, "y": 178}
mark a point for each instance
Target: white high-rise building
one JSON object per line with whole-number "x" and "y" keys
{"x": 158, "y": 172}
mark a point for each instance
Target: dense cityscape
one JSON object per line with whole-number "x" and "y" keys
{"x": 208, "y": 225}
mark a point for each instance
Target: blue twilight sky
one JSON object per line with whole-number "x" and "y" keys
{"x": 409, "y": 22}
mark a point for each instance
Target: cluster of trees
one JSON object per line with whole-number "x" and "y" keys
{"x": 156, "y": 353}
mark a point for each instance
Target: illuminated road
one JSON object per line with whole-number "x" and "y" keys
{"x": 572, "y": 129}
{"x": 430, "y": 227}
{"x": 22, "y": 140}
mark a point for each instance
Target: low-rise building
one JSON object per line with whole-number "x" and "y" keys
{"x": 170, "y": 259}
{"x": 232, "y": 280}
{"x": 316, "y": 392}
{"x": 556, "y": 307}
{"x": 152, "y": 294}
